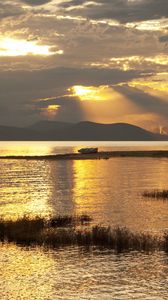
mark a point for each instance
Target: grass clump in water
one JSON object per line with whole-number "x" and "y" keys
{"x": 33, "y": 230}
{"x": 66, "y": 221}
{"x": 23, "y": 231}
{"x": 157, "y": 194}
{"x": 64, "y": 231}
{"x": 117, "y": 238}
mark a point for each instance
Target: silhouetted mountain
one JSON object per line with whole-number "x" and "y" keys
{"x": 83, "y": 131}
{"x": 49, "y": 125}
{"x": 16, "y": 134}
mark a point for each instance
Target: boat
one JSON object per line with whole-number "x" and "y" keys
{"x": 88, "y": 150}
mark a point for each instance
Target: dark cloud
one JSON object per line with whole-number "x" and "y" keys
{"x": 163, "y": 38}
{"x": 70, "y": 108}
{"x": 9, "y": 9}
{"x": 48, "y": 79}
{"x": 86, "y": 43}
{"x": 121, "y": 10}
{"x": 68, "y": 4}
{"x": 36, "y": 2}
{"x": 20, "y": 89}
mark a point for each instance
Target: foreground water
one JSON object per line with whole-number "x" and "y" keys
{"x": 35, "y": 274}
{"x": 108, "y": 190}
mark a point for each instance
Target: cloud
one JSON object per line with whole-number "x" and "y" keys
{"x": 84, "y": 42}
{"x": 36, "y": 2}
{"x": 125, "y": 104}
{"x": 163, "y": 38}
{"x": 19, "y": 89}
{"x": 122, "y": 10}
{"x": 146, "y": 102}
{"x": 8, "y": 9}
{"x": 22, "y": 81}
{"x": 96, "y": 48}
{"x": 21, "y": 92}
{"x": 70, "y": 108}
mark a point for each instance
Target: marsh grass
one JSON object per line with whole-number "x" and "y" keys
{"x": 23, "y": 231}
{"x": 27, "y": 230}
{"x": 66, "y": 232}
{"x": 66, "y": 221}
{"x": 157, "y": 194}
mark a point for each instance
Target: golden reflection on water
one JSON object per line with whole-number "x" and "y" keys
{"x": 86, "y": 189}
{"x": 25, "y": 273}
{"x": 47, "y": 148}
{"x": 61, "y": 178}
{"x": 38, "y": 274}
{"x": 24, "y": 148}
{"x": 108, "y": 190}
{"x": 111, "y": 191}
{"x": 24, "y": 188}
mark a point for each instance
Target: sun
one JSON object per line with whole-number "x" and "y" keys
{"x": 80, "y": 90}
{"x": 88, "y": 92}
{"x": 14, "y": 47}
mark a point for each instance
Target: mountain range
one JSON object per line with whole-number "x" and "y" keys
{"x": 83, "y": 131}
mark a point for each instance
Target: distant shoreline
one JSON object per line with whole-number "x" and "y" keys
{"x": 99, "y": 155}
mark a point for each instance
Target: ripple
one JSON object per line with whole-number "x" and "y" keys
{"x": 74, "y": 274}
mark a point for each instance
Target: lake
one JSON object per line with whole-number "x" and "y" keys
{"x": 110, "y": 191}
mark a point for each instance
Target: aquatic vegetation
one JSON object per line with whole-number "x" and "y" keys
{"x": 22, "y": 231}
{"x": 63, "y": 221}
{"x": 67, "y": 230}
{"x": 156, "y": 194}
{"x": 27, "y": 230}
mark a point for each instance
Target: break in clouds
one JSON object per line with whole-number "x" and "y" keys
{"x": 118, "y": 48}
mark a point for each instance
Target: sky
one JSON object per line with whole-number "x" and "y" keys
{"x": 104, "y": 61}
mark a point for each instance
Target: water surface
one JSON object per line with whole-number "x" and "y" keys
{"x": 71, "y": 274}
{"x": 108, "y": 190}
{"x": 48, "y": 148}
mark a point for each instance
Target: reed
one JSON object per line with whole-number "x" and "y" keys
{"x": 65, "y": 231}
{"x": 118, "y": 238}
{"x": 23, "y": 231}
{"x": 27, "y": 230}
{"x": 157, "y": 194}
{"x": 64, "y": 221}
